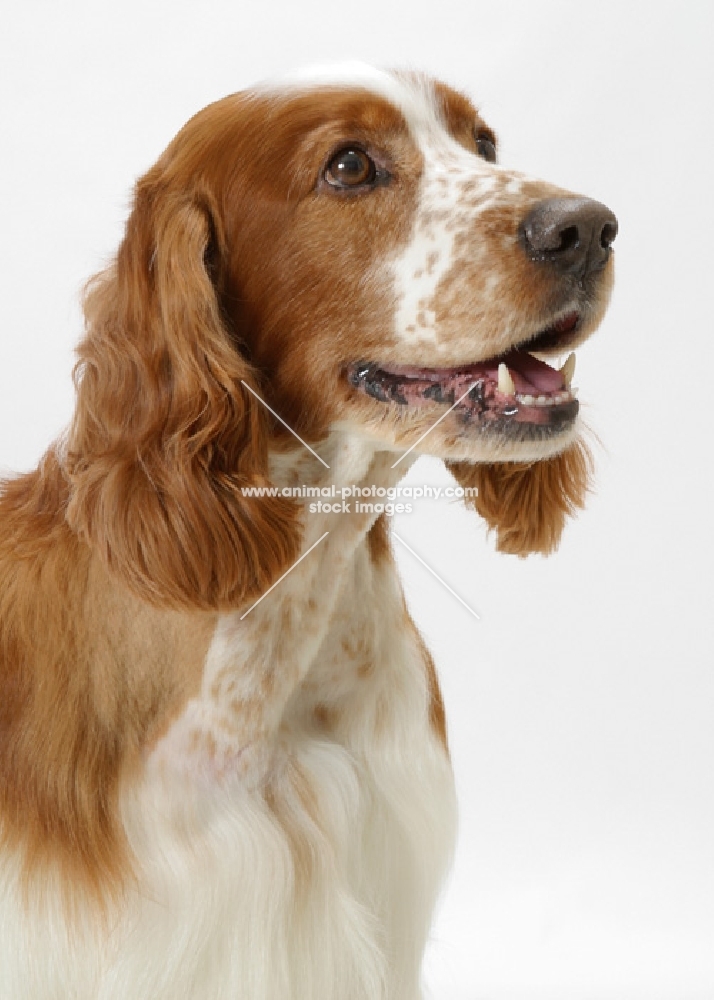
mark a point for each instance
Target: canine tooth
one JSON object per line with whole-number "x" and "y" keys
{"x": 506, "y": 385}
{"x": 568, "y": 369}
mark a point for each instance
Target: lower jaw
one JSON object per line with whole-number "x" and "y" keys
{"x": 554, "y": 422}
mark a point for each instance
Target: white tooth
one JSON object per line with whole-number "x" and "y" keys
{"x": 526, "y": 400}
{"x": 568, "y": 369}
{"x": 541, "y": 400}
{"x": 506, "y": 384}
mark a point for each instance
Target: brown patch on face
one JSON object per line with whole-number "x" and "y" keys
{"x": 89, "y": 675}
{"x": 305, "y": 283}
{"x": 461, "y": 117}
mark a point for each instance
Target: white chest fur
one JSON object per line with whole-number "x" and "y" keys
{"x": 291, "y": 830}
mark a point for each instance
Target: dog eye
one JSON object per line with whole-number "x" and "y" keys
{"x": 485, "y": 147}
{"x": 350, "y": 168}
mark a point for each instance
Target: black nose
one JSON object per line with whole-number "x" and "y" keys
{"x": 573, "y": 235}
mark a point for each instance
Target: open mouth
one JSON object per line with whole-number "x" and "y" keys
{"x": 514, "y": 393}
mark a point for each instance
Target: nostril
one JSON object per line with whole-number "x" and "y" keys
{"x": 608, "y": 234}
{"x": 569, "y": 239}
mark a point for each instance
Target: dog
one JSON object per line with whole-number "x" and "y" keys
{"x": 224, "y": 769}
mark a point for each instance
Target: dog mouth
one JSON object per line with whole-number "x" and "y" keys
{"x": 512, "y": 394}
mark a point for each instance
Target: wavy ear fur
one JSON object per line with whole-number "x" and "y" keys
{"x": 527, "y": 504}
{"x": 165, "y": 435}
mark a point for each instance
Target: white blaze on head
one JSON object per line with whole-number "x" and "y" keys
{"x": 455, "y": 186}
{"x": 351, "y": 74}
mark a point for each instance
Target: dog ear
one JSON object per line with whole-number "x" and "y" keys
{"x": 166, "y": 434}
{"x": 527, "y": 503}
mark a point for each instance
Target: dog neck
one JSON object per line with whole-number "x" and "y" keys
{"x": 262, "y": 654}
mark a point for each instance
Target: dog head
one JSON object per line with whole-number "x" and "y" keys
{"x": 345, "y": 245}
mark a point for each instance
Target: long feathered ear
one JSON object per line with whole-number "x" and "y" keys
{"x": 165, "y": 435}
{"x": 527, "y": 504}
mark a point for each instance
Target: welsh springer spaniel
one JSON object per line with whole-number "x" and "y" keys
{"x": 223, "y": 759}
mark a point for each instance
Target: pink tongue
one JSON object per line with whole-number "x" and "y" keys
{"x": 534, "y": 373}
{"x": 528, "y": 373}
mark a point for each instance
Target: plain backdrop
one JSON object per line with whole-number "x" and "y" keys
{"x": 580, "y": 706}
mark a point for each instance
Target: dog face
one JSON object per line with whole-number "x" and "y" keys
{"x": 383, "y": 265}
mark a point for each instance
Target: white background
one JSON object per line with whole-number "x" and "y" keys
{"x": 580, "y": 707}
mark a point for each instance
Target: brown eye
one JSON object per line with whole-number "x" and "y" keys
{"x": 486, "y": 147}
{"x": 350, "y": 168}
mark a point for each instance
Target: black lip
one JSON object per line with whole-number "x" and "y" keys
{"x": 560, "y": 419}
{"x": 550, "y": 340}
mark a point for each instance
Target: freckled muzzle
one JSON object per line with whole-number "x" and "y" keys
{"x": 515, "y": 395}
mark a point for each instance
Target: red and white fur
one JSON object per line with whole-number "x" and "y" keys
{"x": 196, "y": 802}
